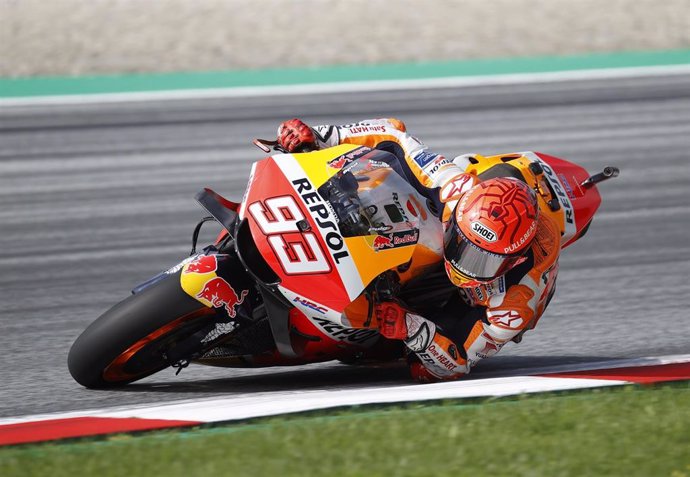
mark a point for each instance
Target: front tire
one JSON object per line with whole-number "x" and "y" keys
{"x": 129, "y": 341}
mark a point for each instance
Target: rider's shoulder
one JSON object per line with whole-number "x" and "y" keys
{"x": 547, "y": 243}
{"x": 394, "y": 123}
{"x": 397, "y": 124}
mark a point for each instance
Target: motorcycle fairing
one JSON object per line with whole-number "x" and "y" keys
{"x": 583, "y": 202}
{"x": 296, "y": 231}
{"x": 318, "y": 333}
{"x": 207, "y": 279}
{"x": 288, "y": 237}
{"x": 560, "y": 195}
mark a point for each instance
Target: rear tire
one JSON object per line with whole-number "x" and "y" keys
{"x": 124, "y": 344}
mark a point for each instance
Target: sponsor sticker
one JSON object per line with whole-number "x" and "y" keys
{"x": 396, "y": 239}
{"x": 310, "y": 304}
{"x": 519, "y": 243}
{"x": 566, "y": 185}
{"x": 324, "y": 218}
{"x": 362, "y": 128}
{"x": 510, "y": 320}
{"x": 341, "y": 161}
{"x": 568, "y": 209}
{"x": 483, "y": 231}
{"x": 203, "y": 264}
{"x": 220, "y": 294}
{"x": 424, "y": 158}
{"x": 359, "y": 336}
{"x": 382, "y": 241}
{"x": 456, "y": 187}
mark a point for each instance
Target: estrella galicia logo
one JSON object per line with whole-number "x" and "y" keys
{"x": 484, "y": 232}
{"x": 424, "y": 158}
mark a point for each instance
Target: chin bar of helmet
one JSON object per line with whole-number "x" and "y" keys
{"x": 608, "y": 173}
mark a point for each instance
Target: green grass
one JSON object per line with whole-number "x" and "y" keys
{"x": 627, "y": 431}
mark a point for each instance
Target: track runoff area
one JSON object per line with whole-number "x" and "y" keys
{"x": 99, "y": 422}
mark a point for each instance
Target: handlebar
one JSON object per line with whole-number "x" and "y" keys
{"x": 267, "y": 146}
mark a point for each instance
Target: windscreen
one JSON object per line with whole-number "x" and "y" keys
{"x": 367, "y": 197}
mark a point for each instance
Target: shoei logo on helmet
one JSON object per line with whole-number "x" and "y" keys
{"x": 483, "y": 231}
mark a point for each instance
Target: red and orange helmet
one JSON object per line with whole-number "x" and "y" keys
{"x": 490, "y": 231}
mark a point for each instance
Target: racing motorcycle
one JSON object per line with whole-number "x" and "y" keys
{"x": 317, "y": 240}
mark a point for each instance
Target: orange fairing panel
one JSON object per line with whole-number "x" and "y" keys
{"x": 372, "y": 261}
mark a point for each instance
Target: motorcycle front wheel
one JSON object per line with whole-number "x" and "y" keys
{"x": 135, "y": 338}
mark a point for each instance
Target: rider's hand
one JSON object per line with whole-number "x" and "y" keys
{"x": 295, "y": 136}
{"x": 391, "y": 319}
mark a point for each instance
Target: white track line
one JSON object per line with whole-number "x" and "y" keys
{"x": 260, "y": 404}
{"x": 349, "y": 87}
{"x": 229, "y": 409}
{"x": 597, "y": 365}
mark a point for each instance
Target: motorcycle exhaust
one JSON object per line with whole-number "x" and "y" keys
{"x": 608, "y": 173}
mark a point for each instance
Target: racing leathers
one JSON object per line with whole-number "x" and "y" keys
{"x": 493, "y": 313}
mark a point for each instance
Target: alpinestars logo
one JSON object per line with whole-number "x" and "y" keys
{"x": 510, "y": 319}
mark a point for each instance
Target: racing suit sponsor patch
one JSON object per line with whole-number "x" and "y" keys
{"x": 424, "y": 158}
{"x": 507, "y": 319}
{"x": 432, "y": 169}
{"x": 440, "y": 363}
{"x": 490, "y": 348}
{"x": 483, "y": 346}
{"x": 455, "y": 188}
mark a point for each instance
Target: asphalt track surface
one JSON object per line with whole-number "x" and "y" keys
{"x": 97, "y": 198}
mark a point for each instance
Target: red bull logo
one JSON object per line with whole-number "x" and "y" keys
{"x": 338, "y": 163}
{"x": 341, "y": 161}
{"x": 221, "y": 293}
{"x": 203, "y": 264}
{"x": 382, "y": 241}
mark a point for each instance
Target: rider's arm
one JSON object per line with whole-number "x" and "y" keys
{"x": 437, "y": 177}
{"x": 441, "y": 356}
{"x": 528, "y": 290}
{"x": 445, "y": 354}
{"x": 503, "y": 310}
{"x": 434, "y": 176}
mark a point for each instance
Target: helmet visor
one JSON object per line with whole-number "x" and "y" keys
{"x": 473, "y": 263}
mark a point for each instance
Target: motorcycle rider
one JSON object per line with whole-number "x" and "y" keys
{"x": 498, "y": 250}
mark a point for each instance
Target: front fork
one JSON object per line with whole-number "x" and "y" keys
{"x": 219, "y": 282}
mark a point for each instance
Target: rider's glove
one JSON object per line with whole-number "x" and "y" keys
{"x": 392, "y": 320}
{"x": 295, "y": 136}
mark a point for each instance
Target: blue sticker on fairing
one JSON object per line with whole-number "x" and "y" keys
{"x": 424, "y": 158}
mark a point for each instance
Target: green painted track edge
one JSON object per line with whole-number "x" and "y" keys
{"x": 155, "y": 82}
